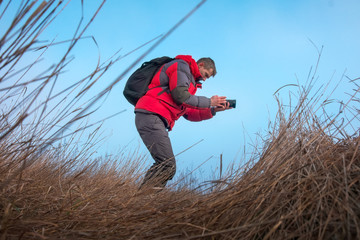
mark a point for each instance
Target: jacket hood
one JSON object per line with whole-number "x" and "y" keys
{"x": 193, "y": 65}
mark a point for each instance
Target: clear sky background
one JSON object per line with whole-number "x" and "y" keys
{"x": 258, "y": 46}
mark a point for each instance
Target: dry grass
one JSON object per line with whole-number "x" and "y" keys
{"x": 305, "y": 185}
{"x": 302, "y": 182}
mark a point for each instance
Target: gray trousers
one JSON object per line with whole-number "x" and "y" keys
{"x": 153, "y": 132}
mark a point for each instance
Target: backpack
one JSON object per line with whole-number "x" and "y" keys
{"x": 137, "y": 84}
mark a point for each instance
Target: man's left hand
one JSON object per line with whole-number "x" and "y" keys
{"x": 224, "y": 107}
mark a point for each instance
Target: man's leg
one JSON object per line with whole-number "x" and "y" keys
{"x": 155, "y": 137}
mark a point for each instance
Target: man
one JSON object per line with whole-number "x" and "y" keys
{"x": 171, "y": 95}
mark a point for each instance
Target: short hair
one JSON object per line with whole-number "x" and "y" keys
{"x": 208, "y": 63}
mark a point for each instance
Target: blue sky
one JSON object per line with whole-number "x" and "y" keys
{"x": 258, "y": 46}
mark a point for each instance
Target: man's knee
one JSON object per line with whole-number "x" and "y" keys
{"x": 166, "y": 169}
{"x": 160, "y": 174}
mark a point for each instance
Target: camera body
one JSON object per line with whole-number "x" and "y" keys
{"x": 232, "y": 103}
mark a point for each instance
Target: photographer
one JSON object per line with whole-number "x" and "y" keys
{"x": 171, "y": 95}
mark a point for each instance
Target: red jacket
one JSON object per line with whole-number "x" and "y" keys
{"x": 172, "y": 92}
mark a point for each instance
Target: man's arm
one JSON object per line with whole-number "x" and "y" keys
{"x": 179, "y": 83}
{"x": 196, "y": 115}
{"x": 181, "y": 95}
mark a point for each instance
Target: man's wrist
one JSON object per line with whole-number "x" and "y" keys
{"x": 213, "y": 112}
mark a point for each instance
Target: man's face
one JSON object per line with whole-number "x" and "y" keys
{"x": 205, "y": 73}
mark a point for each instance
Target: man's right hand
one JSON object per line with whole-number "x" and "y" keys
{"x": 218, "y": 101}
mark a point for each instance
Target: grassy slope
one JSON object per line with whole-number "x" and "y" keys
{"x": 304, "y": 185}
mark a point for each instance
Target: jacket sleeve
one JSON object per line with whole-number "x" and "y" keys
{"x": 197, "y": 115}
{"x": 179, "y": 82}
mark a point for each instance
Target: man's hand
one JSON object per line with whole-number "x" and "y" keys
{"x": 226, "y": 106}
{"x": 217, "y": 101}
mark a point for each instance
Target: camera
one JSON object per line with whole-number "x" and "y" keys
{"x": 232, "y": 103}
